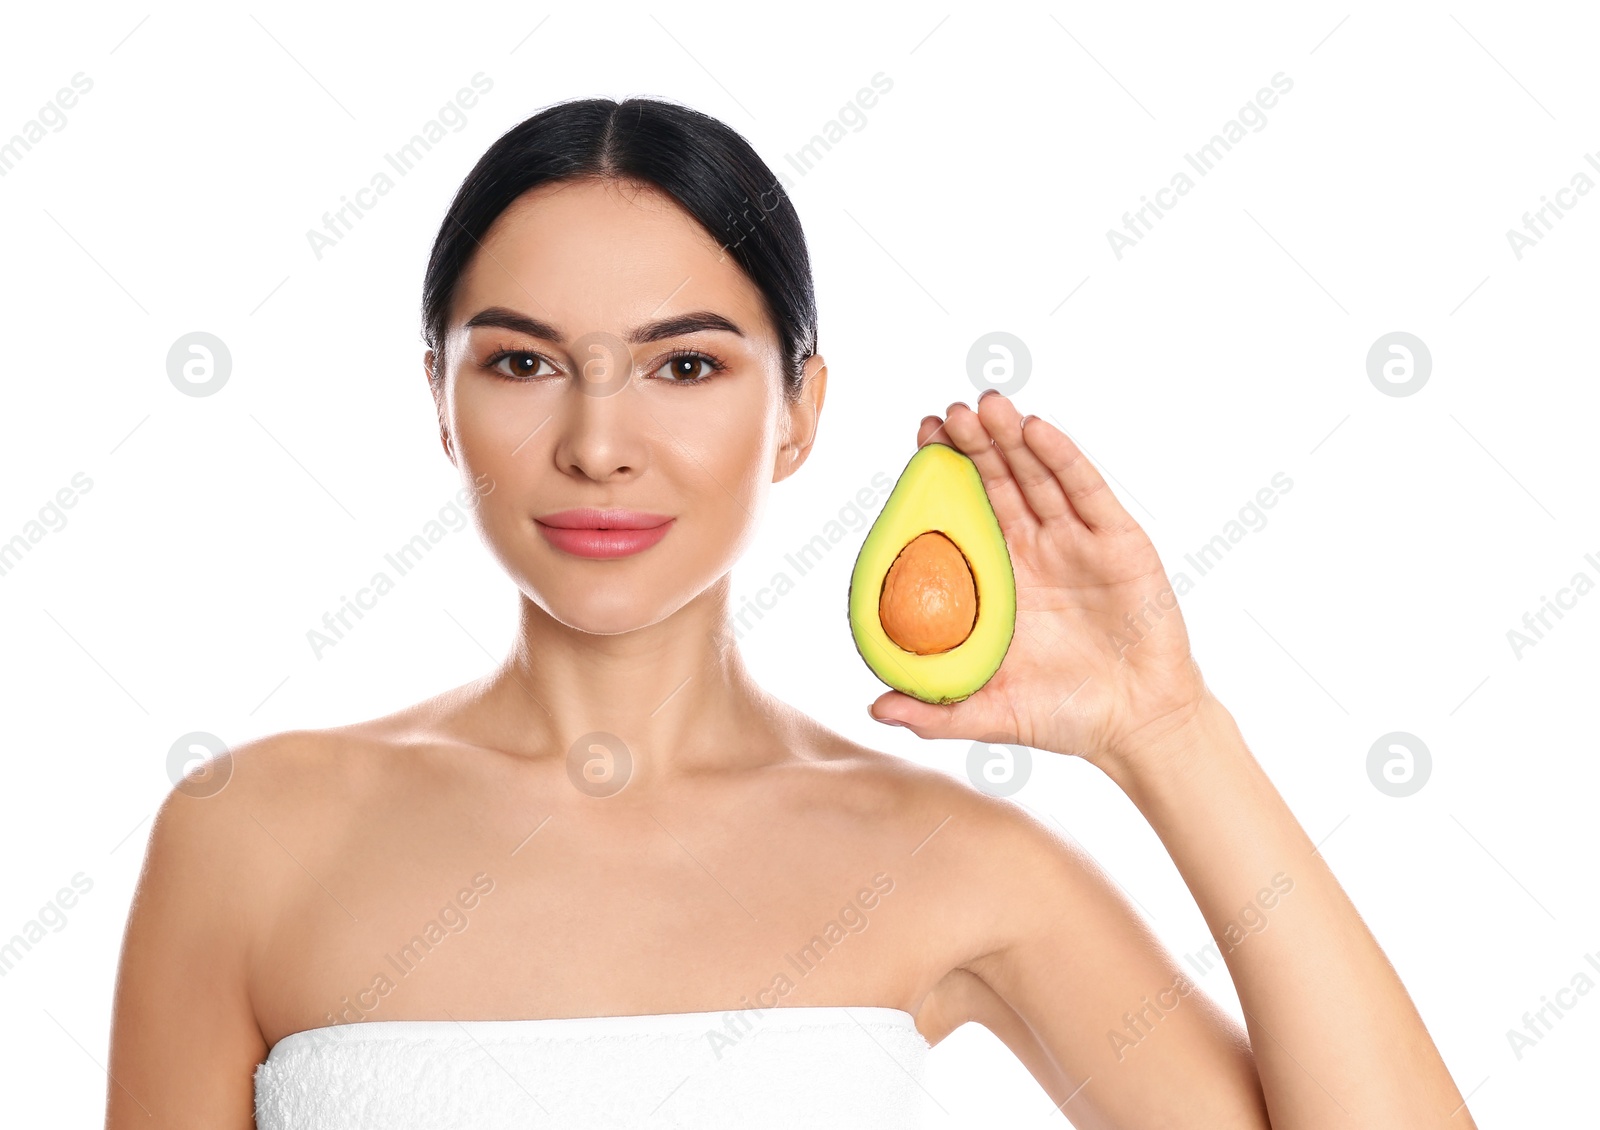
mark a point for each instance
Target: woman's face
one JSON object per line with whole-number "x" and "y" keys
{"x": 566, "y": 386}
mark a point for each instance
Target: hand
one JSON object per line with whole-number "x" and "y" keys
{"x": 1099, "y": 665}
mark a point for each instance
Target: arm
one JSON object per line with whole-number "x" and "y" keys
{"x": 1073, "y": 981}
{"x": 1337, "y": 1040}
{"x": 184, "y": 1040}
{"x": 1100, "y": 667}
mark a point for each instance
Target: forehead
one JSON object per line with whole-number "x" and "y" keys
{"x": 604, "y": 254}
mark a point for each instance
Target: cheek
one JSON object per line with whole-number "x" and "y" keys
{"x": 727, "y": 431}
{"x": 729, "y": 453}
{"x": 492, "y": 421}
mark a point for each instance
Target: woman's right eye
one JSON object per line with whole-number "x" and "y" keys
{"x": 517, "y": 364}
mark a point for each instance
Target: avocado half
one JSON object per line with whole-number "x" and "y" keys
{"x": 933, "y": 600}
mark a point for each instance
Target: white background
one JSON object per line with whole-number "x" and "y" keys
{"x": 1227, "y": 346}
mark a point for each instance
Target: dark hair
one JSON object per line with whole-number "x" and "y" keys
{"x": 703, "y": 164}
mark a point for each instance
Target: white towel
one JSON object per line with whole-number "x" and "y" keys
{"x": 803, "y": 1066}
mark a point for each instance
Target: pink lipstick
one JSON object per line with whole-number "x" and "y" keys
{"x": 588, "y": 532}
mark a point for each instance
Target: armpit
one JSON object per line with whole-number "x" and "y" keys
{"x": 962, "y": 996}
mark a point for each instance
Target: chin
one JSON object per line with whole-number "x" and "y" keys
{"x": 598, "y": 609}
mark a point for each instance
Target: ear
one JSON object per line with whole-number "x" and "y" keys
{"x": 803, "y": 414}
{"x": 436, "y": 387}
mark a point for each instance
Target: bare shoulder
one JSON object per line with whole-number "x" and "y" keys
{"x": 987, "y": 858}
{"x": 185, "y": 1035}
{"x": 892, "y": 791}
{"x": 302, "y": 768}
{"x": 1005, "y": 882}
{"x": 267, "y": 774}
{"x": 220, "y": 838}
{"x": 208, "y": 843}
{"x": 1011, "y": 847}
{"x": 203, "y": 812}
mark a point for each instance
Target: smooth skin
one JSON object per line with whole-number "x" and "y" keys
{"x": 743, "y": 827}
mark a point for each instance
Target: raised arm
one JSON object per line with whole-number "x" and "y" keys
{"x": 1100, "y": 668}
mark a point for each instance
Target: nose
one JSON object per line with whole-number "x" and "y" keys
{"x": 600, "y": 437}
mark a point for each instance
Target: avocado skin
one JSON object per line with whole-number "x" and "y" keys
{"x": 939, "y": 489}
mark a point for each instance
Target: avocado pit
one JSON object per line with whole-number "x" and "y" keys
{"x": 929, "y": 601}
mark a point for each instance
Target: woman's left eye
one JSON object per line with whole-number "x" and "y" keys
{"x": 682, "y": 368}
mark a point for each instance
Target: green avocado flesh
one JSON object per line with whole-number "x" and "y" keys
{"x": 940, "y": 491}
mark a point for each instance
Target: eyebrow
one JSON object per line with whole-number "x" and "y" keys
{"x": 651, "y": 331}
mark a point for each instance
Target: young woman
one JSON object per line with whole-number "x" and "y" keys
{"x": 616, "y": 883}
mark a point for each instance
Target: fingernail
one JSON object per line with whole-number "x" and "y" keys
{"x": 891, "y": 721}
{"x": 988, "y": 392}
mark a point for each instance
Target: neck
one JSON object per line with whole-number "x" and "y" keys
{"x": 649, "y": 706}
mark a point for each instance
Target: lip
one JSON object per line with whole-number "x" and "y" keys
{"x": 588, "y": 532}
{"x": 588, "y": 518}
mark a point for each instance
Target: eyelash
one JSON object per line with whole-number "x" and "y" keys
{"x": 716, "y": 364}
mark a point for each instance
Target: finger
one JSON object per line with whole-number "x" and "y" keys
{"x": 1038, "y": 482}
{"x": 932, "y": 427}
{"x": 925, "y": 719}
{"x": 998, "y": 482}
{"x": 1080, "y": 482}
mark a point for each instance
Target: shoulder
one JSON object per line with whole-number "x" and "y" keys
{"x": 1002, "y": 884}
{"x": 226, "y": 840}
{"x": 990, "y": 855}
{"x": 880, "y": 786}
{"x": 263, "y": 771}
{"x": 225, "y": 826}
{"x": 1018, "y": 877}
{"x": 996, "y": 828}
